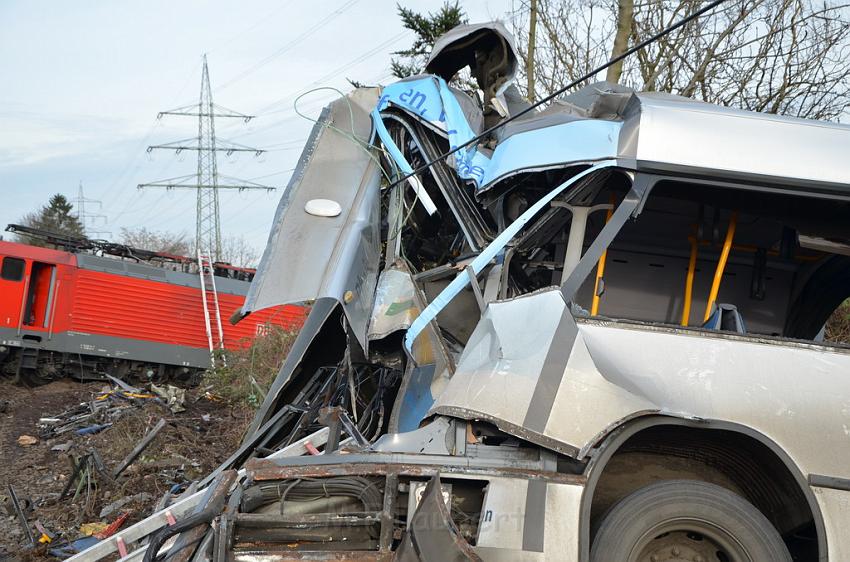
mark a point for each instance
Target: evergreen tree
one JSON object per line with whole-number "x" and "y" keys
{"x": 427, "y": 28}
{"x": 55, "y": 217}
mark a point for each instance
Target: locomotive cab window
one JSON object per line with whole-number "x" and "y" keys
{"x": 12, "y": 269}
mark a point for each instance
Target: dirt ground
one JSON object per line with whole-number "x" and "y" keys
{"x": 191, "y": 445}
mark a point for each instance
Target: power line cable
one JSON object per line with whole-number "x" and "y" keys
{"x": 138, "y": 194}
{"x": 272, "y": 174}
{"x": 291, "y": 96}
{"x": 248, "y": 204}
{"x": 177, "y": 204}
{"x": 335, "y": 72}
{"x": 111, "y": 189}
{"x": 317, "y": 103}
{"x": 293, "y": 43}
{"x": 265, "y": 19}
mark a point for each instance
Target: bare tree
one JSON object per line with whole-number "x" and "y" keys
{"x": 157, "y": 241}
{"x": 235, "y": 250}
{"x": 625, "y": 21}
{"x": 778, "y": 56}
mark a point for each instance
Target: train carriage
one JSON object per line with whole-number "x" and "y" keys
{"x": 79, "y": 314}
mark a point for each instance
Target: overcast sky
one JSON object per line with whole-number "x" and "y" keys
{"x": 82, "y": 83}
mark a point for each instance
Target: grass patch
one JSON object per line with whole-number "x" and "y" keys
{"x": 250, "y": 370}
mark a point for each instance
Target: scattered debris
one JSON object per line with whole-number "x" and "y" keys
{"x": 46, "y": 536}
{"x": 27, "y": 440}
{"x": 82, "y": 472}
{"x": 92, "y": 429}
{"x": 95, "y": 415}
{"x": 174, "y": 397}
{"x": 70, "y": 548}
{"x": 188, "y": 447}
{"x": 109, "y": 530}
{"x": 89, "y": 529}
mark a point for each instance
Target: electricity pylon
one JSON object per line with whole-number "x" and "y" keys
{"x": 207, "y": 180}
{"x": 82, "y": 216}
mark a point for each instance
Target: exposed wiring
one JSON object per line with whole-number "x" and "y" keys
{"x": 364, "y": 145}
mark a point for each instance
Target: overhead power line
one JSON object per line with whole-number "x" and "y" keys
{"x": 333, "y": 73}
{"x": 113, "y": 192}
{"x": 269, "y": 17}
{"x": 294, "y": 42}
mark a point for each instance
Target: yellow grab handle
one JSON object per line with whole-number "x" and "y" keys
{"x": 721, "y": 265}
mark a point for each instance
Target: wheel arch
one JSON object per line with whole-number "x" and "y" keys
{"x": 614, "y": 441}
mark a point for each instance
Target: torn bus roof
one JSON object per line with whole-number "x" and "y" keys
{"x": 640, "y": 135}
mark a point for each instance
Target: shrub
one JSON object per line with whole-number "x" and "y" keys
{"x": 251, "y": 369}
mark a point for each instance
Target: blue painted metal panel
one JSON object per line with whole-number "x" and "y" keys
{"x": 579, "y": 141}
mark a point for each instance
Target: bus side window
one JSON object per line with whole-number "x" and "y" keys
{"x": 12, "y": 269}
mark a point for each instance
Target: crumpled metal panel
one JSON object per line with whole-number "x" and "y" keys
{"x": 452, "y": 51}
{"x": 536, "y": 373}
{"x": 431, "y": 534}
{"x": 310, "y": 257}
{"x": 526, "y": 369}
{"x": 432, "y": 365}
{"x": 556, "y": 146}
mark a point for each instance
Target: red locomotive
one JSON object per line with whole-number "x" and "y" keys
{"x": 72, "y": 313}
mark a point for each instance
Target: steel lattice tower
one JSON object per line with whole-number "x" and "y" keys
{"x": 83, "y": 216}
{"x": 207, "y": 223}
{"x": 207, "y": 181}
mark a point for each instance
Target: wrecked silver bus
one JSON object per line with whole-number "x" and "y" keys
{"x": 596, "y": 334}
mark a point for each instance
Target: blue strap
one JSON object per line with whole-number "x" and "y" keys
{"x": 402, "y": 162}
{"x": 462, "y": 279}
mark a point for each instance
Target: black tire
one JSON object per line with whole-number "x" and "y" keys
{"x": 686, "y": 520}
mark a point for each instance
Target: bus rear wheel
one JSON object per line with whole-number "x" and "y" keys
{"x": 686, "y": 521}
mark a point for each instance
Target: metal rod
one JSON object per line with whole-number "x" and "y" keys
{"x": 142, "y": 445}
{"x": 53, "y": 310}
{"x": 600, "y": 268}
{"x": 721, "y": 265}
{"x": 76, "y": 472}
{"x": 23, "y": 303}
{"x": 20, "y": 513}
{"x": 476, "y": 288}
{"x": 689, "y": 281}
